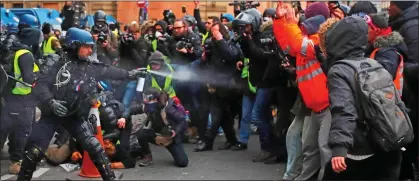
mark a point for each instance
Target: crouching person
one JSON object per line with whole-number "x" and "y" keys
{"x": 165, "y": 126}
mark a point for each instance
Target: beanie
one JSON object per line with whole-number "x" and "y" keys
{"x": 403, "y": 5}
{"x": 363, "y": 7}
{"x": 317, "y": 8}
{"x": 380, "y": 20}
{"x": 156, "y": 57}
{"x": 312, "y": 25}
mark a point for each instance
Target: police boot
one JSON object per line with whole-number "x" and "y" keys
{"x": 30, "y": 161}
{"x": 103, "y": 165}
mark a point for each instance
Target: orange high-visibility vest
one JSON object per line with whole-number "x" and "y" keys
{"x": 312, "y": 82}
{"x": 398, "y": 81}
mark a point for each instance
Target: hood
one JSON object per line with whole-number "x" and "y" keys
{"x": 31, "y": 36}
{"x": 163, "y": 24}
{"x": 265, "y": 25}
{"x": 227, "y": 16}
{"x": 312, "y": 25}
{"x": 408, "y": 14}
{"x": 394, "y": 40}
{"x": 346, "y": 39}
{"x": 146, "y": 25}
{"x": 363, "y": 7}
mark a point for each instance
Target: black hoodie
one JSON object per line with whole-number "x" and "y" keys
{"x": 346, "y": 39}
{"x": 407, "y": 25}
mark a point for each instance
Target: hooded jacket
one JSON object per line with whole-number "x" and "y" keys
{"x": 407, "y": 25}
{"x": 387, "y": 55}
{"x": 346, "y": 39}
{"x": 137, "y": 54}
{"x": 163, "y": 24}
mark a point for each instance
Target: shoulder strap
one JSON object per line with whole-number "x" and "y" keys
{"x": 373, "y": 53}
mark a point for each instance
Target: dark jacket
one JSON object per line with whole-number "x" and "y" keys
{"x": 67, "y": 13}
{"x": 26, "y": 65}
{"x": 347, "y": 39}
{"x": 407, "y": 25}
{"x": 83, "y": 79}
{"x": 201, "y": 25}
{"x": 262, "y": 69}
{"x": 175, "y": 117}
{"x": 387, "y": 54}
{"x": 185, "y": 58}
{"x": 136, "y": 55}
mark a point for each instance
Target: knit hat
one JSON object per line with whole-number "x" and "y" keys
{"x": 317, "y": 8}
{"x": 380, "y": 20}
{"x": 403, "y": 5}
{"x": 312, "y": 25}
{"x": 156, "y": 57}
{"x": 363, "y": 7}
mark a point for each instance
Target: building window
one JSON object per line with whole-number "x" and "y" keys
{"x": 17, "y": 5}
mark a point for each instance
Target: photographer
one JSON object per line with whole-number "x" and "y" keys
{"x": 185, "y": 45}
{"x": 161, "y": 41}
{"x": 105, "y": 49}
{"x": 221, "y": 55}
{"x": 169, "y": 18}
{"x": 168, "y": 124}
{"x": 262, "y": 77}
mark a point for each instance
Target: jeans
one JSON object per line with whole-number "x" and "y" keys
{"x": 247, "y": 107}
{"x": 129, "y": 94}
{"x": 220, "y": 130}
{"x": 294, "y": 146}
{"x": 175, "y": 148}
{"x": 261, "y": 115}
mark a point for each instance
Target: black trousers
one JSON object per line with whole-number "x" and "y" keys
{"x": 219, "y": 107}
{"x": 176, "y": 149}
{"x": 381, "y": 166}
{"x": 16, "y": 122}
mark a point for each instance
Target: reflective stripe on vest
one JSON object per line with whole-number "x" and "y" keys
{"x": 204, "y": 37}
{"x": 311, "y": 79}
{"x": 47, "y": 47}
{"x": 398, "y": 81}
{"x": 21, "y": 89}
{"x": 167, "y": 83}
{"x": 245, "y": 73}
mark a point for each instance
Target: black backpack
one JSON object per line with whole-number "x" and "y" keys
{"x": 379, "y": 106}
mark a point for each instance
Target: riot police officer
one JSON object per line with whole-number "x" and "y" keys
{"x": 18, "y": 112}
{"x": 69, "y": 89}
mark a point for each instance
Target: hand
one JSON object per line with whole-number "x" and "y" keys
{"x": 217, "y": 35}
{"x": 135, "y": 72}
{"x": 239, "y": 65}
{"x": 190, "y": 51}
{"x": 338, "y": 164}
{"x": 58, "y": 108}
{"x": 183, "y": 50}
{"x": 163, "y": 141}
{"x": 290, "y": 15}
{"x": 76, "y": 156}
{"x": 121, "y": 123}
{"x": 280, "y": 10}
{"x": 105, "y": 44}
{"x": 173, "y": 134}
{"x": 203, "y": 56}
{"x": 196, "y": 4}
{"x": 248, "y": 36}
{"x": 117, "y": 165}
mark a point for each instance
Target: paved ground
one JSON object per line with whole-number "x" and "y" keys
{"x": 213, "y": 165}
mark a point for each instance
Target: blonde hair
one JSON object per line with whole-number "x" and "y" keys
{"x": 322, "y": 32}
{"x": 134, "y": 28}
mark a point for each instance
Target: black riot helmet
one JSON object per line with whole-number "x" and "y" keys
{"x": 99, "y": 16}
{"x": 251, "y": 16}
{"x": 269, "y": 12}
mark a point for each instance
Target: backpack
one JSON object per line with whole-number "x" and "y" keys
{"x": 379, "y": 106}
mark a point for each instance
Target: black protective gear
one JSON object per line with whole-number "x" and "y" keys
{"x": 30, "y": 161}
{"x": 58, "y": 108}
{"x": 99, "y": 16}
{"x": 136, "y": 72}
{"x": 250, "y": 16}
{"x": 95, "y": 150}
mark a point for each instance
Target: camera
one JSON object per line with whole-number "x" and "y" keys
{"x": 244, "y": 5}
{"x": 102, "y": 37}
{"x": 266, "y": 41}
{"x": 128, "y": 38}
{"x": 169, "y": 17}
{"x": 184, "y": 43}
{"x": 207, "y": 46}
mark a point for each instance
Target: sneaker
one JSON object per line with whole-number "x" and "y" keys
{"x": 146, "y": 161}
{"x": 14, "y": 167}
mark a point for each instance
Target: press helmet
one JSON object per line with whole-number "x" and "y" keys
{"x": 251, "y": 16}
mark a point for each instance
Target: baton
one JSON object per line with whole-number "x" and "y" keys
{"x": 24, "y": 83}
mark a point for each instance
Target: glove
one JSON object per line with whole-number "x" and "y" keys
{"x": 149, "y": 108}
{"x": 58, "y": 108}
{"x": 76, "y": 156}
{"x": 136, "y": 72}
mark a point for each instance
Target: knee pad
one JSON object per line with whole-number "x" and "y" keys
{"x": 35, "y": 153}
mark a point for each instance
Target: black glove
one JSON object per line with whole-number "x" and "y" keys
{"x": 135, "y": 73}
{"x": 58, "y": 108}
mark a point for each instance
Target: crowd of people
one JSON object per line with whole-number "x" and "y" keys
{"x": 332, "y": 90}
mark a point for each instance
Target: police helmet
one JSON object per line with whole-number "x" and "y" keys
{"x": 75, "y": 38}
{"x": 99, "y": 16}
{"x": 190, "y": 20}
{"x": 27, "y": 20}
{"x": 251, "y": 16}
{"x": 269, "y": 12}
